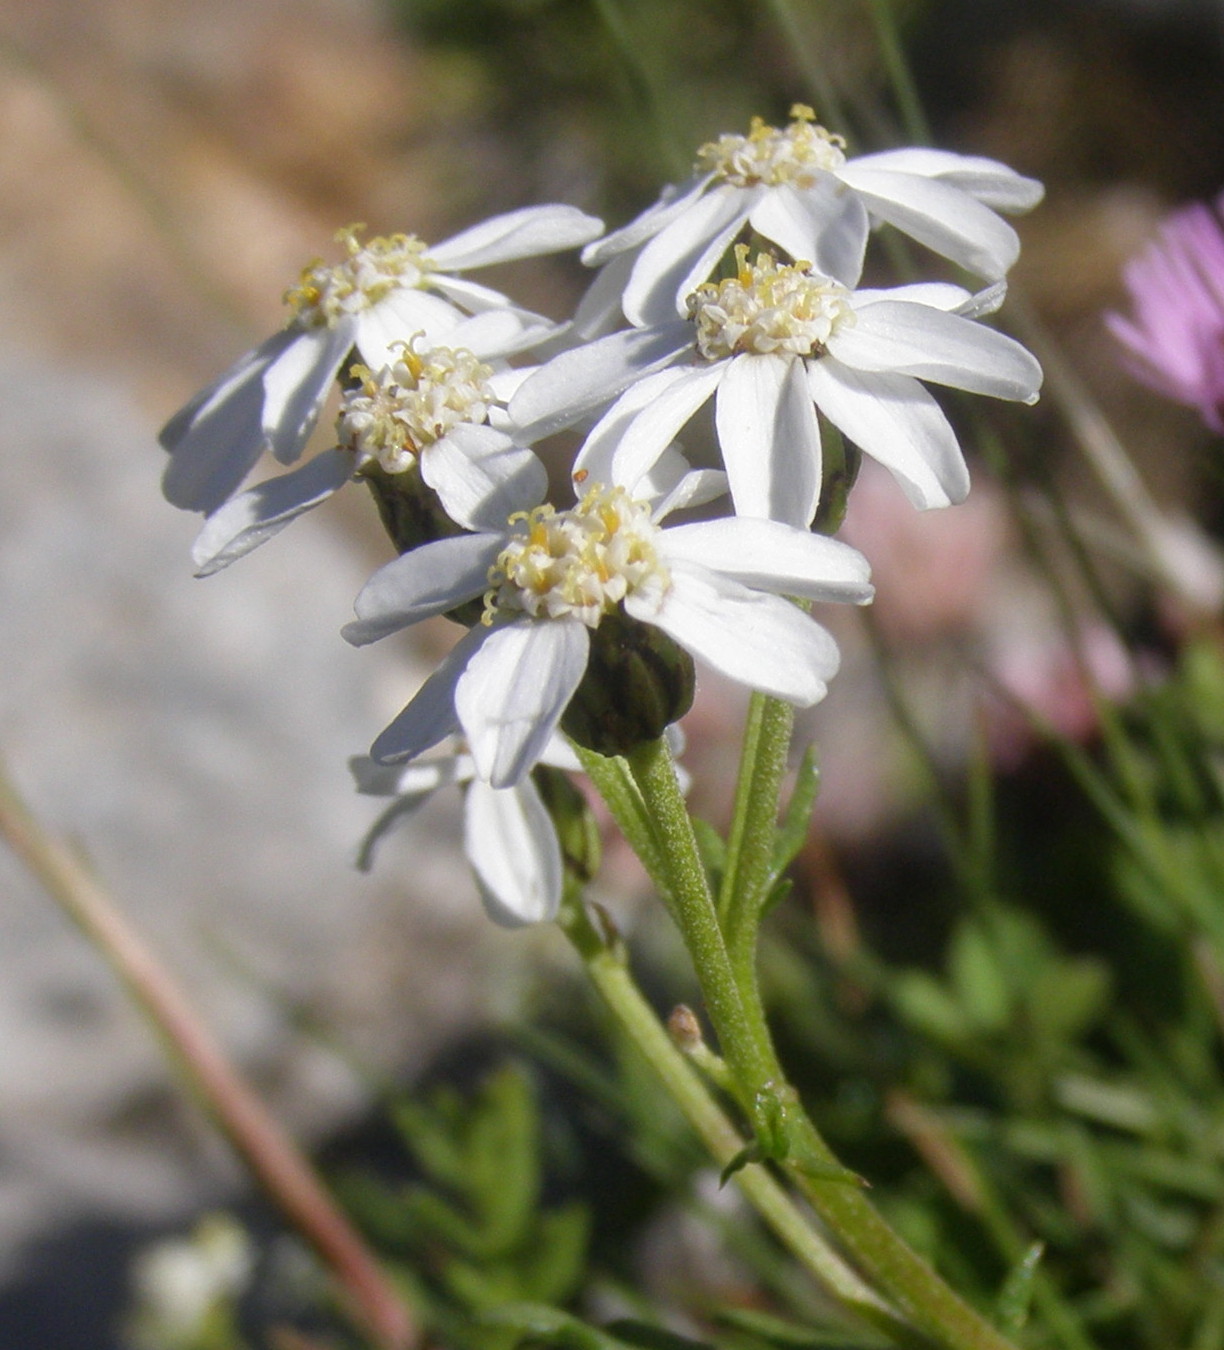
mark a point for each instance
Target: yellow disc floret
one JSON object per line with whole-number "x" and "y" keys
{"x": 768, "y": 307}
{"x": 794, "y": 154}
{"x": 395, "y": 413}
{"x": 579, "y": 563}
{"x": 325, "y": 294}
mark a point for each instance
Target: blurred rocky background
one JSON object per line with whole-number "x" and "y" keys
{"x": 165, "y": 170}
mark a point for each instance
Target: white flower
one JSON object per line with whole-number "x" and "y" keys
{"x": 549, "y": 578}
{"x": 181, "y": 1281}
{"x": 508, "y": 835}
{"x": 772, "y": 345}
{"x": 794, "y": 186}
{"x": 430, "y": 406}
{"x": 382, "y": 293}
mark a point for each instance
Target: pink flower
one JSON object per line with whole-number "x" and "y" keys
{"x": 1175, "y": 340}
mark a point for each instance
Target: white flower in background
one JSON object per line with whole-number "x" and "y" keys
{"x": 771, "y": 345}
{"x": 181, "y": 1281}
{"x": 549, "y": 578}
{"x": 383, "y": 292}
{"x": 508, "y": 835}
{"x": 795, "y": 187}
{"x": 429, "y": 407}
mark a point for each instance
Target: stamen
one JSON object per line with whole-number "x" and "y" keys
{"x": 795, "y": 154}
{"x": 402, "y": 409}
{"x": 768, "y": 307}
{"x": 325, "y": 294}
{"x": 579, "y": 563}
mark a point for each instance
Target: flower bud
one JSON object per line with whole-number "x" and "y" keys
{"x": 637, "y": 683}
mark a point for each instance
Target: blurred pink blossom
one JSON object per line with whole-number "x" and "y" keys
{"x": 1174, "y": 341}
{"x": 934, "y": 571}
{"x": 1057, "y": 684}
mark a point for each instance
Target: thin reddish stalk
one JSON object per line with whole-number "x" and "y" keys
{"x": 273, "y": 1158}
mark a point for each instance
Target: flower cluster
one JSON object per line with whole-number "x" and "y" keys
{"x": 740, "y": 288}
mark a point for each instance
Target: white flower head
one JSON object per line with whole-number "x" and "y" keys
{"x": 796, "y": 187}
{"x": 508, "y": 836}
{"x": 773, "y": 156}
{"x": 550, "y": 578}
{"x": 393, "y": 415}
{"x": 771, "y": 345}
{"x": 378, "y": 296}
{"x": 429, "y": 408}
{"x": 326, "y": 294}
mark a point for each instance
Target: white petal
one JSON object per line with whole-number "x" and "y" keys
{"x": 893, "y": 419}
{"x": 579, "y": 381}
{"x": 684, "y": 253}
{"x": 559, "y": 754}
{"x": 505, "y": 383}
{"x": 599, "y": 311}
{"x": 937, "y": 294}
{"x": 766, "y": 555}
{"x": 823, "y": 225}
{"x": 671, "y": 485}
{"x": 421, "y": 779}
{"x": 652, "y": 430}
{"x": 770, "y": 438}
{"x": 495, "y": 333}
{"x": 940, "y": 295}
{"x": 673, "y": 201}
{"x": 430, "y": 716}
{"x": 506, "y": 329}
{"x": 246, "y": 521}
{"x": 398, "y": 317}
{"x": 481, "y": 477}
{"x": 939, "y": 215}
{"x": 514, "y": 691}
{"x": 296, "y": 384}
{"x": 525, "y": 233}
{"x": 593, "y": 462}
{"x": 511, "y": 842}
{"x": 986, "y": 179}
{"x": 215, "y": 439}
{"x": 758, "y": 640}
{"x": 422, "y": 582}
{"x": 895, "y": 336}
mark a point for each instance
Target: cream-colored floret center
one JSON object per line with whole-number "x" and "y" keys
{"x": 794, "y": 154}
{"x": 395, "y": 413}
{"x": 325, "y": 293}
{"x": 579, "y": 563}
{"x": 768, "y": 307}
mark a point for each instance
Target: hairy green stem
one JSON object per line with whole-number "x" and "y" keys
{"x": 783, "y": 1130}
{"x": 605, "y": 964}
{"x": 750, "y": 845}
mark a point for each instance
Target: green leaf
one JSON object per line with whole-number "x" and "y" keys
{"x": 928, "y": 1007}
{"x": 750, "y": 1153}
{"x": 1016, "y": 1295}
{"x": 712, "y": 849}
{"x": 793, "y": 831}
{"x": 550, "y": 1326}
{"x": 979, "y": 981}
{"x": 779, "y": 1332}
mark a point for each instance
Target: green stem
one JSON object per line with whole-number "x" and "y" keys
{"x": 697, "y": 917}
{"x": 909, "y": 105}
{"x": 615, "y": 784}
{"x": 782, "y": 1128}
{"x": 750, "y": 846}
{"x": 605, "y": 964}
